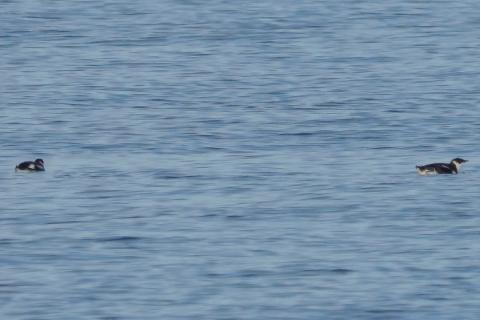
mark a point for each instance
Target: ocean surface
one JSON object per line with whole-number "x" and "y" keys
{"x": 239, "y": 159}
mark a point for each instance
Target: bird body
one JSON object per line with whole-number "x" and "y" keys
{"x": 441, "y": 168}
{"x": 37, "y": 165}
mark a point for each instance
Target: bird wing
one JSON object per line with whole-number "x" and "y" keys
{"x": 25, "y": 165}
{"x": 443, "y": 168}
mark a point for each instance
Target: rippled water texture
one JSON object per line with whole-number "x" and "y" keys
{"x": 239, "y": 159}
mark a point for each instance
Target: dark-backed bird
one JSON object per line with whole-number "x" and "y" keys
{"x": 441, "y": 168}
{"x": 37, "y": 165}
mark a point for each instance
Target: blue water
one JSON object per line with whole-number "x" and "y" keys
{"x": 239, "y": 160}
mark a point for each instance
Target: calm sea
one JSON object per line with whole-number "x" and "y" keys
{"x": 239, "y": 159}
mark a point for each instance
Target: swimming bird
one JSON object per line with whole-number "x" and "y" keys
{"x": 441, "y": 168}
{"x": 37, "y": 165}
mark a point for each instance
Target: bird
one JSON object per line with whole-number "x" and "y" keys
{"x": 441, "y": 168}
{"x": 37, "y": 165}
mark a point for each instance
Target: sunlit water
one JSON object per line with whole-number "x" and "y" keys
{"x": 239, "y": 160}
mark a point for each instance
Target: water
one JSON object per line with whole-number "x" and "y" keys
{"x": 253, "y": 160}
